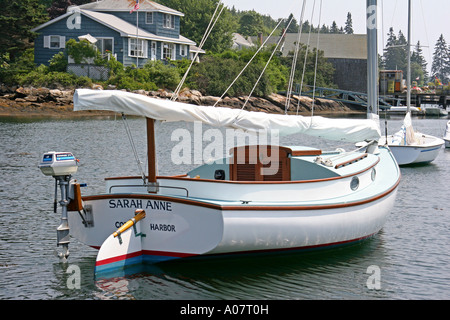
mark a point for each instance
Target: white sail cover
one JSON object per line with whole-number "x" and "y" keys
{"x": 353, "y": 130}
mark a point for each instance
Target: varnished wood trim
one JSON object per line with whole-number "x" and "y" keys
{"x": 343, "y": 164}
{"x": 299, "y": 153}
{"x": 151, "y": 150}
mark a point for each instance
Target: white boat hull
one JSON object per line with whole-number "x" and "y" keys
{"x": 413, "y": 154}
{"x": 192, "y": 231}
{"x": 295, "y": 215}
{"x": 447, "y": 135}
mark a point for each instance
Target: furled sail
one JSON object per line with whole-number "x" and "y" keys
{"x": 351, "y": 130}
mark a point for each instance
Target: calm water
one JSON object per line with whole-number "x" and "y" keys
{"x": 412, "y": 251}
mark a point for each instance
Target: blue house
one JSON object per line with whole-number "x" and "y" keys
{"x": 132, "y": 36}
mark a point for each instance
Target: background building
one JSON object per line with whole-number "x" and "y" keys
{"x": 346, "y": 52}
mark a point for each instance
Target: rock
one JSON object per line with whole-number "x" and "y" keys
{"x": 35, "y": 100}
{"x": 208, "y": 100}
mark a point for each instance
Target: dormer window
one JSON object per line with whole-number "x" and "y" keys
{"x": 149, "y": 17}
{"x": 169, "y": 21}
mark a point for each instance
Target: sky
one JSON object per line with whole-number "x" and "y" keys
{"x": 430, "y": 18}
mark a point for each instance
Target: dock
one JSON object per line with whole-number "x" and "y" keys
{"x": 386, "y": 102}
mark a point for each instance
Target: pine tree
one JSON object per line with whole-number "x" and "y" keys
{"x": 395, "y": 53}
{"x": 17, "y": 18}
{"x": 349, "y": 24}
{"x": 334, "y": 28}
{"x": 389, "y": 51}
{"x": 419, "y": 71}
{"x": 440, "y": 68}
{"x": 293, "y": 27}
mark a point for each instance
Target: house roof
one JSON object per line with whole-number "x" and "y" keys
{"x": 239, "y": 40}
{"x": 338, "y": 46}
{"x": 127, "y": 5}
{"x": 125, "y": 29}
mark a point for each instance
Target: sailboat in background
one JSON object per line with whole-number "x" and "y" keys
{"x": 409, "y": 146}
{"x": 447, "y": 135}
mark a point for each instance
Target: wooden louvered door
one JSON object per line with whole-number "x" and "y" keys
{"x": 260, "y": 163}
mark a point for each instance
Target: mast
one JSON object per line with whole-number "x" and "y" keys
{"x": 372, "y": 57}
{"x": 151, "y": 154}
{"x": 408, "y": 71}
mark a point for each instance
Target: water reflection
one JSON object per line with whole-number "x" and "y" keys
{"x": 266, "y": 276}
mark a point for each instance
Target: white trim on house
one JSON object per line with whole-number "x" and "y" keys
{"x": 168, "y": 50}
{"x": 147, "y": 15}
{"x": 153, "y": 50}
{"x": 183, "y": 50}
{"x": 101, "y": 47}
{"x": 54, "y": 42}
{"x": 168, "y": 21}
{"x": 142, "y": 48}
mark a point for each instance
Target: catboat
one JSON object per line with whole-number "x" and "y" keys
{"x": 261, "y": 198}
{"x": 313, "y": 199}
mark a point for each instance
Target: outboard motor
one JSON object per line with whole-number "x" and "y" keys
{"x": 61, "y": 166}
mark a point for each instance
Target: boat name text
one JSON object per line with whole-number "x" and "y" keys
{"x": 140, "y": 204}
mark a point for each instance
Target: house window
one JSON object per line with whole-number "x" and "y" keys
{"x": 105, "y": 46}
{"x": 149, "y": 17}
{"x": 183, "y": 50}
{"x": 54, "y": 42}
{"x": 153, "y": 51}
{"x": 137, "y": 48}
{"x": 169, "y": 21}
{"x": 168, "y": 51}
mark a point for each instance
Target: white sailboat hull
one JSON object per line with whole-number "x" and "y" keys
{"x": 415, "y": 153}
{"x": 238, "y": 217}
{"x": 193, "y": 231}
{"x": 447, "y": 135}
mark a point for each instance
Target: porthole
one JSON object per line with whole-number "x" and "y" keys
{"x": 354, "y": 184}
{"x": 374, "y": 174}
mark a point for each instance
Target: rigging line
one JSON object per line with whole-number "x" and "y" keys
{"x": 317, "y": 58}
{"x": 202, "y": 42}
{"x": 267, "y": 64}
{"x": 426, "y": 31}
{"x": 133, "y": 147}
{"x": 382, "y": 22}
{"x": 306, "y": 55}
{"x": 294, "y": 61}
{"x": 249, "y": 62}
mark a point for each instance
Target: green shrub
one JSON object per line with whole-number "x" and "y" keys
{"x": 81, "y": 51}
{"x": 58, "y": 62}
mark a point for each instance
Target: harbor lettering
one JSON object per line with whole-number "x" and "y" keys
{"x": 162, "y": 227}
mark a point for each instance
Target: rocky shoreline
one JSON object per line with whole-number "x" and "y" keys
{"x": 44, "y": 102}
